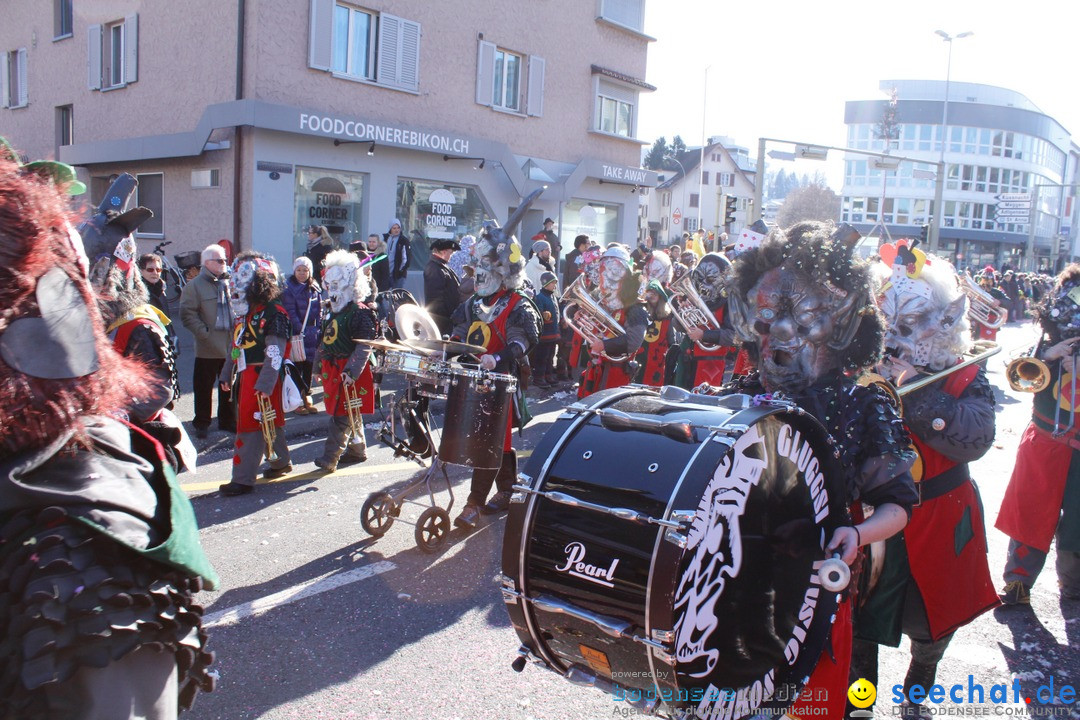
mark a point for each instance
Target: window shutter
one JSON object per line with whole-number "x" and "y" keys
{"x": 93, "y": 57}
{"x": 131, "y": 48}
{"x": 536, "y": 86}
{"x": 618, "y": 92}
{"x": 485, "y": 73}
{"x": 388, "y": 63}
{"x": 20, "y": 66}
{"x": 624, "y": 12}
{"x": 5, "y": 101}
{"x": 409, "y": 67}
{"x": 321, "y": 34}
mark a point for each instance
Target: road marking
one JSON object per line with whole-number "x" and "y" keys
{"x": 357, "y": 469}
{"x": 233, "y": 615}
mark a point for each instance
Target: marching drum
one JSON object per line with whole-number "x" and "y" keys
{"x": 668, "y": 548}
{"x": 429, "y": 376}
{"x": 477, "y": 412}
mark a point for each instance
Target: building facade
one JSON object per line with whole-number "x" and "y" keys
{"x": 251, "y": 122}
{"x": 692, "y": 195}
{"x": 1006, "y": 163}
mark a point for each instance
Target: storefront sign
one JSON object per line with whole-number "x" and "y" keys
{"x": 333, "y": 126}
{"x": 620, "y": 173}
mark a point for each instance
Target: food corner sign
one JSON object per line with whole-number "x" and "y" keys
{"x": 358, "y": 130}
{"x": 441, "y": 222}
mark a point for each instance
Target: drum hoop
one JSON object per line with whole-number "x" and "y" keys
{"x": 530, "y": 509}
{"x": 390, "y": 361}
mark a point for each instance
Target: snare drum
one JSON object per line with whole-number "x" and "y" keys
{"x": 666, "y": 547}
{"x": 402, "y": 362}
{"x": 477, "y": 413}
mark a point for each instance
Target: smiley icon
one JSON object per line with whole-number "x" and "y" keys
{"x": 862, "y": 693}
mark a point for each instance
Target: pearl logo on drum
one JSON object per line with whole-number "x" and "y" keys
{"x": 576, "y": 566}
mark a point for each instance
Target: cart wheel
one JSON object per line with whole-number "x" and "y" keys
{"x": 432, "y": 529}
{"x": 378, "y": 513}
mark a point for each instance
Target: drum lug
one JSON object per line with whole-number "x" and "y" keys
{"x": 525, "y": 480}
{"x": 664, "y": 636}
{"x": 509, "y": 588}
{"x": 677, "y": 537}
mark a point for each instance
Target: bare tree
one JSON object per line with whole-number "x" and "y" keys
{"x": 811, "y": 202}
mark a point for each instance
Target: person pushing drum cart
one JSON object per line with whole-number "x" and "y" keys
{"x": 501, "y": 326}
{"x": 688, "y": 552}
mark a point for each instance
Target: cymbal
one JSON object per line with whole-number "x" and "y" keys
{"x": 415, "y": 323}
{"x": 381, "y": 344}
{"x": 450, "y": 347}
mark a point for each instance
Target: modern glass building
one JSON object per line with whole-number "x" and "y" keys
{"x": 1000, "y": 148}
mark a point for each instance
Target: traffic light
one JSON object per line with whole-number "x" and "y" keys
{"x": 924, "y": 234}
{"x": 730, "y": 204}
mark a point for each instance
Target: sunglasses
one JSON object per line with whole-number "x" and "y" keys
{"x": 152, "y": 270}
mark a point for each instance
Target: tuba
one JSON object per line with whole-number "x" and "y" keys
{"x": 590, "y": 320}
{"x": 353, "y": 403}
{"x": 267, "y": 414}
{"x": 690, "y": 310}
{"x": 981, "y": 304}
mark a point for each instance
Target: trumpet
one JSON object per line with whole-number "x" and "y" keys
{"x": 981, "y": 306}
{"x": 353, "y": 403}
{"x": 267, "y": 414}
{"x": 591, "y": 321}
{"x": 690, "y": 310}
{"x": 1027, "y": 373}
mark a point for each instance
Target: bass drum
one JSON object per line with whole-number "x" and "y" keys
{"x": 667, "y": 547}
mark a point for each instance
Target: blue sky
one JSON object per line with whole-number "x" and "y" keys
{"x": 784, "y": 69}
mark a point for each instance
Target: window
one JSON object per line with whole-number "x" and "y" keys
{"x": 354, "y": 47}
{"x": 506, "y": 89}
{"x": 500, "y": 75}
{"x": 615, "y": 106}
{"x": 13, "y": 79}
{"x": 331, "y": 198}
{"x": 364, "y": 45}
{"x": 150, "y": 194}
{"x": 704, "y": 178}
{"x": 694, "y": 199}
{"x": 725, "y": 179}
{"x": 65, "y": 125}
{"x": 113, "y": 51}
{"x": 61, "y": 19}
{"x": 432, "y": 210}
{"x": 205, "y": 178}
{"x": 665, "y": 199}
{"x": 627, "y": 13}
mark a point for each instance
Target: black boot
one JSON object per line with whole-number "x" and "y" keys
{"x": 504, "y": 483}
{"x": 922, "y": 671}
{"x": 482, "y": 480}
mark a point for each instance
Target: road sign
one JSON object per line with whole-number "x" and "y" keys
{"x": 781, "y": 155}
{"x": 676, "y": 216}
{"x": 811, "y": 152}
{"x": 1014, "y": 197}
{"x": 1010, "y": 212}
{"x": 1013, "y": 205}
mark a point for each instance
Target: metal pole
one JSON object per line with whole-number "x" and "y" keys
{"x": 757, "y": 210}
{"x": 939, "y": 192}
{"x": 1029, "y": 254}
{"x": 701, "y": 161}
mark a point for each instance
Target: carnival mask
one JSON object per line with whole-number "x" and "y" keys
{"x": 658, "y": 268}
{"x": 243, "y": 275}
{"x": 339, "y": 282}
{"x": 919, "y": 331}
{"x": 613, "y": 274}
{"x": 709, "y": 276}
{"x": 794, "y": 318}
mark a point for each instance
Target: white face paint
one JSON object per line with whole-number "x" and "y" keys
{"x": 339, "y": 282}
{"x": 242, "y": 277}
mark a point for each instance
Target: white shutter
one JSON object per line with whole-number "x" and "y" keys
{"x": 20, "y": 67}
{"x": 321, "y": 34}
{"x": 485, "y": 73}
{"x": 536, "y": 86}
{"x": 5, "y": 88}
{"x": 409, "y": 45}
{"x": 93, "y": 57}
{"x": 131, "y": 48}
{"x": 618, "y": 92}
{"x": 387, "y": 63}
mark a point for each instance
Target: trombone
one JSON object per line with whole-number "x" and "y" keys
{"x": 267, "y": 415}
{"x": 983, "y": 350}
{"x": 353, "y": 403}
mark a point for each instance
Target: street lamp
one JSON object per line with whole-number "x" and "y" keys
{"x": 939, "y": 210}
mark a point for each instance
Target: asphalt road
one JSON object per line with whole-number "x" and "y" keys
{"x": 316, "y": 619}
